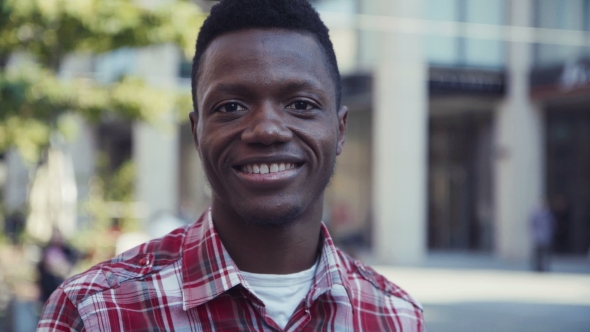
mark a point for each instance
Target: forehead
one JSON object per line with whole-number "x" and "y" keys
{"x": 263, "y": 56}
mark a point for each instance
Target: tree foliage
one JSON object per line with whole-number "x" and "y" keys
{"x": 33, "y": 99}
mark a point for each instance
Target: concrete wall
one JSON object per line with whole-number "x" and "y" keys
{"x": 519, "y": 149}
{"x": 399, "y": 139}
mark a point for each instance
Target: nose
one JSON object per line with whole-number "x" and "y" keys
{"x": 266, "y": 125}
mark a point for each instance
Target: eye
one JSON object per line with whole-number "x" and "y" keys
{"x": 230, "y": 107}
{"x": 300, "y": 106}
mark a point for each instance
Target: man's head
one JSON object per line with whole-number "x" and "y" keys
{"x": 235, "y": 15}
{"x": 268, "y": 126}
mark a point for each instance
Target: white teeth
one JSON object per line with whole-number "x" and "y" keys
{"x": 267, "y": 168}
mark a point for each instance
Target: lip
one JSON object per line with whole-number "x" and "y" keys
{"x": 268, "y": 179}
{"x": 267, "y": 160}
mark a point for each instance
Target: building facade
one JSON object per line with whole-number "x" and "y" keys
{"x": 478, "y": 114}
{"x": 464, "y": 116}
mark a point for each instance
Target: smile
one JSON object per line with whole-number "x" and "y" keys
{"x": 263, "y": 168}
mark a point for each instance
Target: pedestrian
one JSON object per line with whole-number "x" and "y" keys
{"x": 561, "y": 234}
{"x": 14, "y": 225}
{"x": 268, "y": 125}
{"x": 542, "y": 226}
{"x": 57, "y": 261}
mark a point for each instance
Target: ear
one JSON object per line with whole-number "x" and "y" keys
{"x": 194, "y": 118}
{"x": 342, "y": 119}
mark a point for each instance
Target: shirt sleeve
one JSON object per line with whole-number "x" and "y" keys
{"x": 60, "y": 314}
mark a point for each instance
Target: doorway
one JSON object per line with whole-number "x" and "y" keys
{"x": 460, "y": 182}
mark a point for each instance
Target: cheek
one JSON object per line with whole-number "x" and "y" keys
{"x": 209, "y": 155}
{"x": 322, "y": 140}
{"x": 214, "y": 146}
{"x": 327, "y": 139}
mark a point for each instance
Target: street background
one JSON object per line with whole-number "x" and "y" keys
{"x": 466, "y": 292}
{"x": 465, "y": 172}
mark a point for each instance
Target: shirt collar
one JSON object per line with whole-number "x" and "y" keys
{"x": 208, "y": 270}
{"x": 330, "y": 270}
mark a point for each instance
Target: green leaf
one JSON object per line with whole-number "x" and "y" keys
{"x": 34, "y": 102}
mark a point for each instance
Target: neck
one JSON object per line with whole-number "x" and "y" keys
{"x": 269, "y": 249}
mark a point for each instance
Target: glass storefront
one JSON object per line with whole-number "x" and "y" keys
{"x": 460, "y": 181}
{"x": 568, "y": 176}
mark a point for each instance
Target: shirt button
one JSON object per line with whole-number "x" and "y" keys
{"x": 144, "y": 261}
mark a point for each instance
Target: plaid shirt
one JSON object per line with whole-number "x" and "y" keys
{"x": 186, "y": 281}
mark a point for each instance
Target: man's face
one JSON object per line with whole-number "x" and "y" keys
{"x": 267, "y": 128}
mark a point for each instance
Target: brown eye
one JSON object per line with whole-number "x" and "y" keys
{"x": 230, "y": 107}
{"x": 300, "y": 106}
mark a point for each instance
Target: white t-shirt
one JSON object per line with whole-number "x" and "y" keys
{"x": 281, "y": 293}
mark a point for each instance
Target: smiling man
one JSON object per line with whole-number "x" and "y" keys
{"x": 268, "y": 125}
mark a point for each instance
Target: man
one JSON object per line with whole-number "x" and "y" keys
{"x": 542, "y": 226}
{"x": 268, "y": 125}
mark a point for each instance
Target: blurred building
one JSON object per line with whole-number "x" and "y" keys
{"x": 464, "y": 115}
{"x": 478, "y": 112}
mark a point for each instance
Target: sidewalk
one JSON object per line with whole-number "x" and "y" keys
{"x": 468, "y": 260}
{"x": 476, "y": 292}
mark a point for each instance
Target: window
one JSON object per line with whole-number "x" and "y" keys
{"x": 459, "y": 51}
{"x": 565, "y": 15}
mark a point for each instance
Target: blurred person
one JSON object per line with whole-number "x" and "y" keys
{"x": 561, "y": 213}
{"x": 268, "y": 125}
{"x": 14, "y": 226}
{"x": 57, "y": 261}
{"x": 542, "y": 226}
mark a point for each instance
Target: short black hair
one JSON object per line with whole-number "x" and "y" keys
{"x": 235, "y": 15}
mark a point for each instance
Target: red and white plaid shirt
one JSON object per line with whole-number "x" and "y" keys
{"x": 186, "y": 281}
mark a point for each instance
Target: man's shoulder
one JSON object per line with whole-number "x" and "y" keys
{"x": 370, "y": 282}
{"x": 147, "y": 258}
